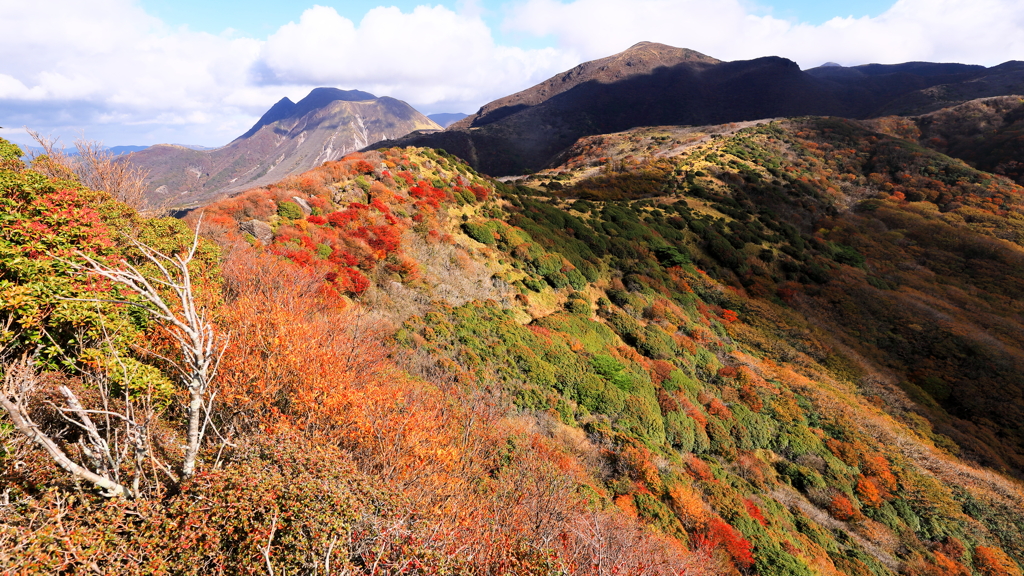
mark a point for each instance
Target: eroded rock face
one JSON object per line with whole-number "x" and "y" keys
{"x": 306, "y": 208}
{"x": 258, "y": 229}
{"x": 289, "y": 139}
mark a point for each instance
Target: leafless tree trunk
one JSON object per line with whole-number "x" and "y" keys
{"x": 20, "y": 381}
{"x": 200, "y": 345}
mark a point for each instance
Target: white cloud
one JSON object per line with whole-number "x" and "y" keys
{"x": 108, "y": 67}
{"x": 106, "y": 64}
{"x": 970, "y": 31}
{"x": 430, "y": 56}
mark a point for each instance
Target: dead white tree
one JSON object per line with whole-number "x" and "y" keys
{"x": 201, "y": 346}
{"x": 19, "y": 385}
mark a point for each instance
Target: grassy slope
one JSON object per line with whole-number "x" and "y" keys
{"x": 725, "y": 325}
{"x": 756, "y": 344}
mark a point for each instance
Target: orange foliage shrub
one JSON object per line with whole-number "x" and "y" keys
{"x": 750, "y": 397}
{"x": 638, "y": 463}
{"x": 868, "y": 492}
{"x": 719, "y": 409}
{"x": 626, "y": 504}
{"x": 841, "y": 508}
{"x": 699, "y": 469}
{"x": 688, "y": 505}
{"x": 994, "y": 562}
{"x": 946, "y": 566}
{"x": 878, "y": 466}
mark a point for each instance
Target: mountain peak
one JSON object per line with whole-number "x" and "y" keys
{"x": 665, "y": 52}
{"x": 320, "y": 97}
{"x": 279, "y": 111}
{"x": 317, "y": 98}
{"x": 640, "y": 58}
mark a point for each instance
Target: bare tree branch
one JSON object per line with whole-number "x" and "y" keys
{"x": 95, "y": 167}
{"x": 20, "y": 380}
{"x": 201, "y": 347}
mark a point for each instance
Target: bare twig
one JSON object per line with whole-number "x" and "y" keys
{"x": 266, "y": 551}
{"x": 202, "y": 348}
{"x": 19, "y": 382}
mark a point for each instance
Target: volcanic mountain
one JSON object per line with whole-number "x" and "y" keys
{"x": 290, "y": 138}
{"x": 653, "y": 84}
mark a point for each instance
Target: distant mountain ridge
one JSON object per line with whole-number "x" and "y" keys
{"x": 653, "y": 84}
{"x": 290, "y": 138}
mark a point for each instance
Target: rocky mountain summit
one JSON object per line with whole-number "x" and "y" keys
{"x": 290, "y": 138}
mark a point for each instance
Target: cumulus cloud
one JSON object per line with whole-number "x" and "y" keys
{"x": 110, "y": 69}
{"x": 970, "y": 31}
{"x": 122, "y": 75}
{"x": 432, "y": 56}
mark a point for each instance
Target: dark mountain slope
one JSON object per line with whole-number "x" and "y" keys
{"x": 639, "y": 59}
{"x": 653, "y": 84}
{"x": 987, "y": 133}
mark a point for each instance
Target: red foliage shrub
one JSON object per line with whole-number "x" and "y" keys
{"x": 340, "y": 219}
{"x": 754, "y": 511}
{"x": 720, "y": 534}
{"x": 660, "y": 371}
{"x": 841, "y": 508}
{"x": 479, "y": 191}
{"x": 666, "y": 402}
{"x": 728, "y": 372}
{"x": 750, "y": 397}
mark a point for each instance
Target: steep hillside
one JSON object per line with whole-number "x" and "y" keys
{"x": 987, "y": 133}
{"x": 290, "y": 138}
{"x": 777, "y": 348}
{"x": 782, "y": 356}
{"x": 652, "y": 84}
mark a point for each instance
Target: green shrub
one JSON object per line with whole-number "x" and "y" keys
{"x": 479, "y": 233}
{"x": 680, "y": 431}
{"x": 598, "y": 396}
{"x": 557, "y": 279}
{"x": 533, "y": 284}
{"x": 656, "y": 514}
{"x": 641, "y": 418}
{"x": 289, "y": 210}
{"x": 577, "y": 307}
{"x": 576, "y": 279}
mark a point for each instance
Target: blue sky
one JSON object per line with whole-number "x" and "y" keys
{"x": 260, "y": 18}
{"x": 185, "y": 71}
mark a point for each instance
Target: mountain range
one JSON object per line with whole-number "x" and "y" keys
{"x": 653, "y": 84}
{"x": 721, "y": 342}
{"x": 289, "y": 138}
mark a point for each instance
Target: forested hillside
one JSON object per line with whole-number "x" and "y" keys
{"x": 778, "y": 348}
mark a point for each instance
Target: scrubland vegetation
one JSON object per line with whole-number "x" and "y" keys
{"x": 792, "y": 348}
